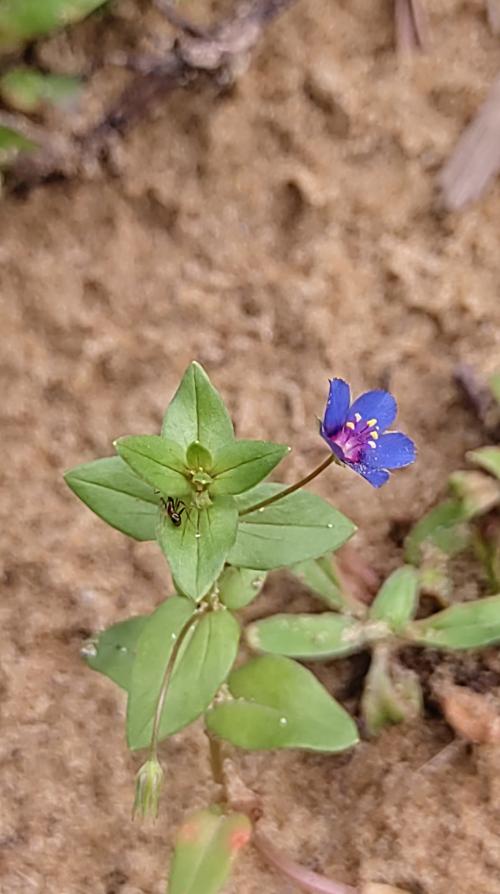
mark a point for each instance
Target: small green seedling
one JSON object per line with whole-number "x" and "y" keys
{"x": 202, "y": 495}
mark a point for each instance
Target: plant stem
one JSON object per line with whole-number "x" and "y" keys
{"x": 304, "y": 878}
{"x": 293, "y": 487}
{"x": 153, "y": 748}
{"x": 216, "y": 759}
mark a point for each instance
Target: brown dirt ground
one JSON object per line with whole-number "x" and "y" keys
{"x": 280, "y": 234}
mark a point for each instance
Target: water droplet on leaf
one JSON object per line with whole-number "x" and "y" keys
{"x": 197, "y": 535}
{"x": 283, "y": 721}
{"x": 89, "y": 650}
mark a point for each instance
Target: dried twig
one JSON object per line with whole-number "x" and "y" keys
{"x": 475, "y": 160}
{"x": 216, "y": 52}
{"x": 412, "y": 31}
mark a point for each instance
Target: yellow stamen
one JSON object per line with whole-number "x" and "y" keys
{"x": 371, "y": 422}
{"x": 350, "y": 425}
{"x": 372, "y": 444}
{"x": 357, "y": 417}
{"x": 375, "y": 435}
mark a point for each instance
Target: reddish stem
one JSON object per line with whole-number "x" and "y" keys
{"x": 304, "y": 878}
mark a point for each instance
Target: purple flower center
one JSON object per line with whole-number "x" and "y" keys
{"x": 354, "y": 438}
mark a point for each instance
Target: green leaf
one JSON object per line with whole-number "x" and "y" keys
{"x": 158, "y": 461}
{"x": 153, "y": 650}
{"x": 327, "y": 635}
{"x": 488, "y": 458}
{"x": 23, "y": 20}
{"x": 477, "y": 492}
{"x": 322, "y": 577}
{"x": 198, "y": 457}
{"x": 392, "y": 693}
{"x": 279, "y": 704}
{"x": 29, "y": 91}
{"x": 204, "y": 661}
{"x": 198, "y": 413}
{"x": 112, "y": 652}
{"x": 242, "y": 464}
{"x": 206, "y": 846}
{"x": 443, "y": 527}
{"x": 116, "y": 495}
{"x": 397, "y": 600}
{"x": 301, "y": 526}
{"x": 239, "y": 586}
{"x": 11, "y": 145}
{"x": 468, "y": 625}
{"x": 197, "y": 549}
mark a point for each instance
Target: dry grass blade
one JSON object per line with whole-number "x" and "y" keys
{"x": 412, "y": 30}
{"x": 475, "y": 160}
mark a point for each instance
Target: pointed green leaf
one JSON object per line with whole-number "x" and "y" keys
{"x": 206, "y": 845}
{"x": 197, "y": 549}
{"x": 23, "y": 20}
{"x": 279, "y": 704}
{"x": 242, "y": 464}
{"x": 468, "y": 625}
{"x": 116, "y": 495}
{"x": 397, "y": 600}
{"x": 301, "y": 526}
{"x": 153, "y": 650}
{"x": 488, "y": 458}
{"x": 204, "y": 661}
{"x": 157, "y": 461}
{"x": 239, "y": 586}
{"x": 309, "y": 637}
{"x": 444, "y": 527}
{"x": 198, "y": 413}
{"x": 11, "y": 144}
{"x": 198, "y": 457}
{"x": 28, "y": 90}
{"x": 322, "y": 577}
{"x": 112, "y": 652}
{"x": 477, "y": 492}
{"x": 392, "y": 693}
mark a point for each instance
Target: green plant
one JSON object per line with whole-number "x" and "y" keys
{"x": 200, "y": 493}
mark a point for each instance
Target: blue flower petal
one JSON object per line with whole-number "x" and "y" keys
{"x": 393, "y": 451}
{"x": 376, "y": 477}
{"x": 379, "y": 405}
{"x": 337, "y": 406}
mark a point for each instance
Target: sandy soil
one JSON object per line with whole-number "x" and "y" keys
{"x": 281, "y": 233}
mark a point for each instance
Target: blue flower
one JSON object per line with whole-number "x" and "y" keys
{"x": 356, "y": 433}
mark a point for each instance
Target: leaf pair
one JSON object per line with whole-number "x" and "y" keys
{"x": 332, "y": 635}
{"x": 197, "y": 461}
{"x": 273, "y": 703}
{"x": 136, "y": 655}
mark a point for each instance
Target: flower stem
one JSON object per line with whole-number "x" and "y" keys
{"x": 293, "y": 487}
{"x": 153, "y": 748}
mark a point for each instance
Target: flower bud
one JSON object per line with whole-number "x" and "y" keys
{"x": 147, "y": 789}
